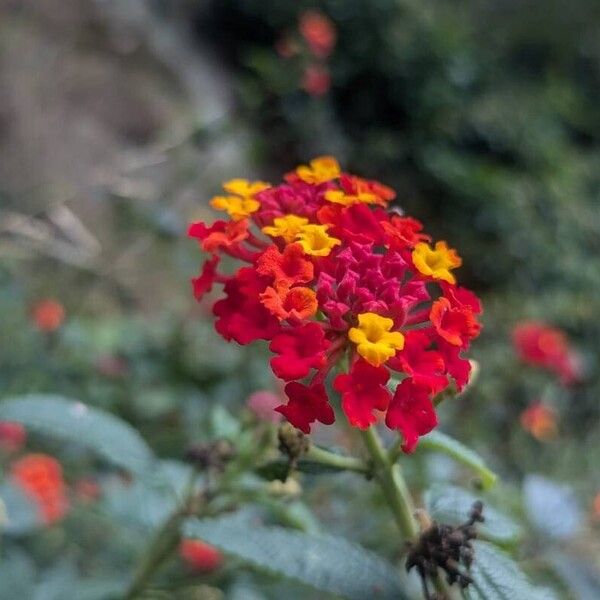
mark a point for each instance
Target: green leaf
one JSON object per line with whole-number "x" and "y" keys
{"x": 71, "y": 421}
{"x": 451, "y": 505}
{"x": 327, "y": 563}
{"x": 497, "y": 577}
{"x": 440, "y": 442}
{"x": 22, "y": 514}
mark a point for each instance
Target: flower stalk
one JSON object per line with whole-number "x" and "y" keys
{"x": 392, "y": 483}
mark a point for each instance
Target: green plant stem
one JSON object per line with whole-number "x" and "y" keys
{"x": 163, "y": 544}
{"x": 392, "y": 484}
{"x": 396, "y": 492}
{"x": 324, "y": 457}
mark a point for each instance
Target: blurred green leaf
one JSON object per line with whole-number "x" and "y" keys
{"x": 71, "y": 421}
{"x": 22, "y": 515}
{"x": 551, "y": 507}
{"x": 497, "y": 577}
{"x": 17, "y": 575}
{"x": 451, "y": 505}
{"x": 327, "y": 563}
{"x": 440, "y": 442}
{"x": 581, "y": 577}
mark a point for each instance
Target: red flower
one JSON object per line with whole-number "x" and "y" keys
{"x": 241, "y": 316}
{"x": 404, "y": 232}
{"x": 411, "y": 412}
{"x": 318, "y": 31}
{"x": 307, "y": 404}
{"x": 417, "y": 360}
{"x": 330, "y": 273}
{"x": 200, "y": 556}
{"x": 457, "y": 367}
{"x": 287, "y": 268}
{"x": 541, "y": 345}
{"x": 363, "y": 391}
{"x": 316, "y": 80}
{"x": 204, "y": 282}
{"x": 221, "y": 234}
{"x": 457, "y": 325}
{"x": 12, "y": 436}
{"x": 40, "y": 477}
{"x": 48, "y": 315}
{"x": 300, "y": 349}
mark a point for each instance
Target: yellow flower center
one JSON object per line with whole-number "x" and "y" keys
{"x": 436, "y": 263}
{"x": 286, "y": 227}
{"x": 315, "y": 240}
{"x": 321, "y": 169}
{"x": 374, "y": 340}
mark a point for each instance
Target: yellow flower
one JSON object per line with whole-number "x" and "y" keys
{"x": 237, "y": 208}
{"x": 340, "y": 197}
{"x": 321, "y": 169}
{"x": 286, "y": 227}
{"x": 315, "y": 240}
{"x": 242, "y": 204}
{"x": 245, "y": 188}
{"x": 437, "y": 262}
{"x": 374, "y": 340}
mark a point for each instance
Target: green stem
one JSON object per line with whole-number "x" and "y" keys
{"x": 162, "y": 546}
{"x": 324, "y": 457}
{"x": 392, "y": 484}
{"x": 396, "y": 492}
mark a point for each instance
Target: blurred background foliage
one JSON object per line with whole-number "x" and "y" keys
{"x": 119, "y": 120}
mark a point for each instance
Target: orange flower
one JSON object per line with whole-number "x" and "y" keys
{"x": 48, "y": 315}
{"x": 40, "y": 477}
{"x": 297, "y": 303}
{"x": 318, "y": 31}
{"x": 596, "y": 508}
{"x": 287, "y": 268}
{"x": 200, "y": 556}
{"x": 540, "y": 421}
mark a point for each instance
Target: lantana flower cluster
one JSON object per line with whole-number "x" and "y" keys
{"x": 344, "y": 289}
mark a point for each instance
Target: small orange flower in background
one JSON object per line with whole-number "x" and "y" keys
{"x": 318, "y": 32}
{"x": 12, "y": 436}
{"x": 199, "y": 556}
{"x": 596, "y": 508}
{"x": 41, "y": 478}
{"x": 48, "y": 315}
{"x": 316, "y": 80}
{"x": 540, "y": 421}
{"x": 547, "y": 347}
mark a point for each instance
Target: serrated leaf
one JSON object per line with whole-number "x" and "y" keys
{"x": 451, "y": 505}
{"x": 327, "y": 563}
{"x": 580, "y": 576}
{"x": 22, "y": 514}
{"x": 71, "y": 421}
{"x": 552, "y": 507}
{"x": 497, "y": 577}
{"x": 440, "y": 442}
